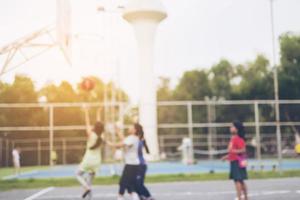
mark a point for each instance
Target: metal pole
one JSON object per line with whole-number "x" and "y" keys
{"x": 121, "y": 115}
{"x": 190, "y": 122}
{"x": 7, "y": 153}
{"x": 51, "y": 131}
{"x": 276, "y": 89}
{"x": 1, "y": 161}
{"x": 209, "y": 138}
{"x": 119, "y": 91}
{"x": 113, "y": 67}
{"x": 64, "y": 148}
{"x": 162, "y": 143}
{"x": 39, "y": 152}
{"x": 105, "y": 103}
{"x": 257, "y": 131}
{"x": 113, "y": 102}
{"x": 213, "y": 119}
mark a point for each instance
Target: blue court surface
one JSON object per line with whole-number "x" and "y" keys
{"x": 159, "y": 168}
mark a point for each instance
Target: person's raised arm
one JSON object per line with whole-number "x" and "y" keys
{"x": 116, "y": 145}
{"x": 123, "y": 141}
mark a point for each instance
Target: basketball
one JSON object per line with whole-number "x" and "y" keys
{"x": 87, "y": 84}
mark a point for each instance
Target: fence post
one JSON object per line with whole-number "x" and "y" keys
{"x": 190, "y": 124}
{"x": 39, "y": 152}
{"x": 64, "y": 149}
{"x": 160, "y": 143}
{"x": 278, "y": 135}
{"x": 113, "y": 103}
{"x": 257, "y": 131}
{"x": 121, "y": 116}
{"x": 209, "y": 138}
{"x": 105, "y": 104}
{"x": 1, "y": 161}
{"x": 51, "y": 131}
{"x": 7, "y": 153}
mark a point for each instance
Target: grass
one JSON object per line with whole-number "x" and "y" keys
{"x": 67, "y": 182}
{"x": 10, "y": 171}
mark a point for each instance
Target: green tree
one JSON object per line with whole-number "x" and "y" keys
{"x": 256, "y": 80}
{"x": 164, "y": 92}
{"x": 289, "y": 76}
{"x": 220, "y": 76}
{"x": 22, "y": 90}
{"x": 194, "y": 85}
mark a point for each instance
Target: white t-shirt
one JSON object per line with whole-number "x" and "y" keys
{"x": 131, "y": 150}
{"x": 16, "y": 155}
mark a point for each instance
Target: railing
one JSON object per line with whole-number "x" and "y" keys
{"x": 212, "y": 137}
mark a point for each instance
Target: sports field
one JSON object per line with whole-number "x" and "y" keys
{"x": 272, "y": 189}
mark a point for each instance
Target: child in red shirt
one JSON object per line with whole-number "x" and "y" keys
{"x": 236, "y": 143}
{"x": 236, "y": 157}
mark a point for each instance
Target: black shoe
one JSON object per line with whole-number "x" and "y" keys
{"x": 86, "y": 193}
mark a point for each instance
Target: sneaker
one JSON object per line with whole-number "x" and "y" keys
{"x": 87, "y": 192}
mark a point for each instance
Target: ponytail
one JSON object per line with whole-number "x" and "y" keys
{"x": 241, "y": 129}
{"x": 98, "y": 129}
{"x": 97, "y": 144}
{"x": 146, "y": 147}
{"x": 140, "y": 134}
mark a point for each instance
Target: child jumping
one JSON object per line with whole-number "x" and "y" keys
{"x": 92, "y": 157}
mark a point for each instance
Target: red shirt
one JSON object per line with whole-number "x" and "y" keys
{"x": 236, "y": 143}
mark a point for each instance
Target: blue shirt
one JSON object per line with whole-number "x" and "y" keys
{"x": 140, "y": 153}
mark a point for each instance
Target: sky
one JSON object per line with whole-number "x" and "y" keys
{"x": 195, "y": 35}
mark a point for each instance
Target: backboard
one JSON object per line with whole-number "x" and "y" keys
{"x": 63, "y": 27}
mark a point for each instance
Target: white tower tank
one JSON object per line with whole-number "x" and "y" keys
{"x": 144, "y": 16}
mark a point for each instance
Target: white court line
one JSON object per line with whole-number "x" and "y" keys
{"x": 68, "y": 196}
{"x": 275, "y": 192}
{"x": 112, "y": 195}
{"x": 267, "y": 193}
{"x": 40, "y": 193}
{"x": 5, "y": 178}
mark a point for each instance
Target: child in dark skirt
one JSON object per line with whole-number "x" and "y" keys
{"x": 236, "y": 156}
{"x": 141, "y": 189}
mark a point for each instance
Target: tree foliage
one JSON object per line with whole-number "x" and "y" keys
{"x": 247, "y": 81}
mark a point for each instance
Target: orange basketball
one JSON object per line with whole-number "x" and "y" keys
{"x": 87, "y": 84}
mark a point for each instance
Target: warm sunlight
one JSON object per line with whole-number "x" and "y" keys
{"x": 150, "y": 99}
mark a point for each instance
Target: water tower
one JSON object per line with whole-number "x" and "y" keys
{"x": 144, "y": 16}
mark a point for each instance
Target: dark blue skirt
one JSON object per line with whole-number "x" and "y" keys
{"x": 237, "y": 173}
